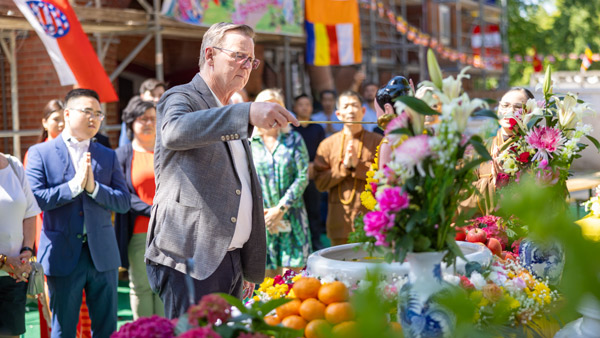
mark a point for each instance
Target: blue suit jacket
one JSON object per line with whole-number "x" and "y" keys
{"x": 49, "y": 168}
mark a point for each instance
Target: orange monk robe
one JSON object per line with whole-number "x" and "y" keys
{"x": 344, "y": 185}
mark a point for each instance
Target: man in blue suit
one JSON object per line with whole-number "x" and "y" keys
{"x": 77, "y": 184}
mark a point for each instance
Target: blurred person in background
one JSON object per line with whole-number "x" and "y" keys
{"x": 18, "y": 208}
{"x": 137, "y": 163}
{"x": 281, "y": 162}
{"x": 369, "y": 92}
{"x": 327, "y": 100}
{"x": 312, "y": 134}
{"x": 341, "y": 166}
{"x": 150, "y": 90}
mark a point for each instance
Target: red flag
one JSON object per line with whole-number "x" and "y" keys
{"x": 70, "y": 50}
{"x": 536, "y": 62}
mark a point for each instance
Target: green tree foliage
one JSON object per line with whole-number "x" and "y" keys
{"x": 553, "y": 27}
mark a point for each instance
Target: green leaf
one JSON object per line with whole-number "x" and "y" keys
{"x": 417, "y": 105}
{"x": 548, "y": 82}
{"x": 594, "y": 141}
{"x": 234, "y": 302}
{"x": 480, "y": 148}
{"x": 272, "y": 304}
{"x": 485, "y": 113}
{"x": 183, "y": 324}
{"x": 534, "y": 120}
{"x": 402, "y": 131}
{"x": 435, "y": 73}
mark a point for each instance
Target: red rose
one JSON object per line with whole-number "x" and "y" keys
{"x": 523, "y": 157}
{"x": 513, "y": 123}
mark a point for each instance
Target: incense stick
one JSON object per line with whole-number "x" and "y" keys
{"x": 335, "y": 122}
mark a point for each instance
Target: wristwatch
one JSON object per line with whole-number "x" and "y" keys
{"x": 26, "y": 248}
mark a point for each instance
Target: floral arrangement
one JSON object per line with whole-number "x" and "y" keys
{"x": 547, "y": 135}
{"x": 593, "y": 204}
{"x": 430, "y": 171}
{"x": 506, "y": 285}
{"x": 278, "y": 287}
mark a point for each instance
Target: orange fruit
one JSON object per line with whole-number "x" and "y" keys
{"x": 318, "y": 328}
{"x": 333, "y": 292}
{"x": 346, "y": 330}
{"x": 336, "y": 313}
{"x": 312, "y": 309}
{"x": 396, "y": 327}
{"x": 272, "y": 320}
{"x": 306, "y": 287}
{"x": 288, "y": 309}
{"x": 294, "y": 322}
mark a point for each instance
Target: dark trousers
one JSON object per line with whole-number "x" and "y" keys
{"x": 312, "y": 201}
{"x": 170, "y": 284}
{"x": 101, "y": 298}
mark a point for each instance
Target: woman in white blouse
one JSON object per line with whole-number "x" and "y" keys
{"x": 18, "y": 209}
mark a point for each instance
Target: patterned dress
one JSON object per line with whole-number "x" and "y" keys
{"x": 283, "y": 175}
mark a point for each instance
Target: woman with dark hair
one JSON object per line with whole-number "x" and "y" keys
{"x": 53, "y": 121}
{"x": 511, "y": 104}
{"x": 137, "y": 162}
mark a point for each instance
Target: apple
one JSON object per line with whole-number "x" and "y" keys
{"x": 495, "y": 246}
{"x": 461, "y": 235}
{"x": 476, "y": 236}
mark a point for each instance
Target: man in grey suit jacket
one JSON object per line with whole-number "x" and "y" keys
{"x": 208, "y": 203}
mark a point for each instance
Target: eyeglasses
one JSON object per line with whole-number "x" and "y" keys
{"x": 89, "y": 113}
{"x": 241, "y": 58}
{"x": 145, "y": 120}
{"x": 513, "y": 106}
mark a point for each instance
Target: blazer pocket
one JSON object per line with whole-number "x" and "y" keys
{"x": 178, "y": 236}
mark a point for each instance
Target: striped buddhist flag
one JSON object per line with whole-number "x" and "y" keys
{"x": 586, "y": 62}
{"x": 67, "y": 45}
{"x": 332, "y": 32}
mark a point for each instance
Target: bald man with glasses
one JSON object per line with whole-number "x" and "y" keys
{"x": 208, "y": 203}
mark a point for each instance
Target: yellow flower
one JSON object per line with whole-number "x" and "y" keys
{"x": 291, "y": 294}
{"x": 367, "y": 199}
{"x": 512, "y": 302}
{"x": 256, "y": 298}
{"x": 296, "y": 278}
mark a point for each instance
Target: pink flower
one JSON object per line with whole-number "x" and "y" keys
{"x": 548, "y": 176}
{"x": 210, "y": 309}
{"x": 200, "y": 332}
{"x": 465, "y": 283}
{"x": 392, "y": 200}
{"x": 374, "y": 187}
{"x": 413, "y": 151}
{"x": 376, "y": 224}
{"x": 154, "y": 326}
{"x": 502, "y": 179}
{"x": 399, "y": 122}
{"x": 545, "y": 140}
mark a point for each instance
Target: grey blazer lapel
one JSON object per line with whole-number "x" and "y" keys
{"x": 204, "y": 90}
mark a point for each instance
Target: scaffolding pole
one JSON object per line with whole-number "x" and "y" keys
{"x": 11, "y": 55}
{"x": 158, "y": 43}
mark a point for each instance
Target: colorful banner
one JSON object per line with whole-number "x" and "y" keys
{"x": 266, "y": 16}
{"x": 332, "y": 32}
{"x": 68, "y": 46}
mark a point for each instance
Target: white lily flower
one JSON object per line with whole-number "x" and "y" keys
{"x": 452, "y": 87}
{"x": 461, "y": 109}
{"x": 530, "y": 110}
{"x": 417, "y": 120}
{"x": 566, "y": 112}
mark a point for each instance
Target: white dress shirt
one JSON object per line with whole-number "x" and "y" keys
{"x": 243, "y": 226}
{"x": 77, "y": 149}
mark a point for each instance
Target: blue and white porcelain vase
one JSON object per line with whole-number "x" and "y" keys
{"x": 543, "y": 260}
{"x": 418, "y": 312}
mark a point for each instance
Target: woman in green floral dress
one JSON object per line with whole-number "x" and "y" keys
{"x": 281, "y": 161}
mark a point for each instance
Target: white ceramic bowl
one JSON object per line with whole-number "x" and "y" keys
{"x": 350, "y": 262}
